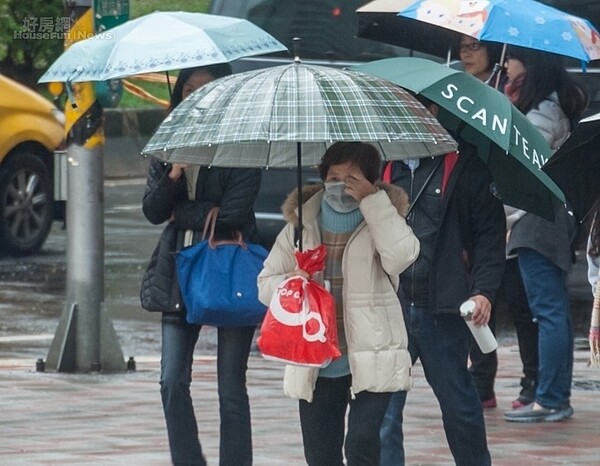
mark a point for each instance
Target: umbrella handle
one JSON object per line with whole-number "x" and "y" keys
{"x": 71, "y": 95}
{"x": 497, "y": 71}
{"x": 169, "y": 86}
{"x": 296, "y": 42}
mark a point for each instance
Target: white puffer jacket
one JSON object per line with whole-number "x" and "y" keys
{"x": 551, "y": 121}
{"x": 380, "y": 248}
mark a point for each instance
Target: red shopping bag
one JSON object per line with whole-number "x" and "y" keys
{"x": 300, "y": 324}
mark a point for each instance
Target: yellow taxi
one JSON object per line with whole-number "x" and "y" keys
{"x": 31, "y": 129}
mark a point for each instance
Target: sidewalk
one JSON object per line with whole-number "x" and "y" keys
{"x": 77, "y": 419}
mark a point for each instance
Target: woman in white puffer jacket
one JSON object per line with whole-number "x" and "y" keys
{"x": 368, "y": 245}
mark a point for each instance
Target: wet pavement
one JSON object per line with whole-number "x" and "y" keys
{"x": 109, "y": 419}
{"x": 76, "y": 419}
{"x": 32, "y": 288}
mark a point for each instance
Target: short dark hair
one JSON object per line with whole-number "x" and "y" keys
{"x": 217, "y": 70}
{"x": 361, "y": 154}
{"x": 494, "y": 52}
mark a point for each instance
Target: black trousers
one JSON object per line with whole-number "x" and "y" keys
{"x": 323, "y": 424}
{"x": 513, "y": 299}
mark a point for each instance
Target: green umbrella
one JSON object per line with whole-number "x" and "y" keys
{"x": 513, "y": 149}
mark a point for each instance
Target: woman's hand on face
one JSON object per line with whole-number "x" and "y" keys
{"x": 177, "y": 170}
{"x": 359, "y": 187}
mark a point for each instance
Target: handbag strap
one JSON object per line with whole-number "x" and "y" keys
{"x": 210, "y": 223}
{"x": 192, "y": 174}
{"x": 191, "y": 180}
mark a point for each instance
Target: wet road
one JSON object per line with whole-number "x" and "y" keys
{"x": 32, "y": 289}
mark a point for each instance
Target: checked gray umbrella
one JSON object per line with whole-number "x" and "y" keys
{"x": 257, "y": 119}
{"x": 287, "y": 116}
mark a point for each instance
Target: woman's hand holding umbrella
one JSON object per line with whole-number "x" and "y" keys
{"x": 177, "y": 170}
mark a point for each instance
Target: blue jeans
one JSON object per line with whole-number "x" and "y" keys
{"x": 323, "y": 424}
{"x": 233, "y": 348}
{"x": 546, "y": 287}
{"x": 442, "y": 343}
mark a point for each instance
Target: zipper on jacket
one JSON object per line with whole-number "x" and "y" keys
{"x": 344, "y": 292}
{"x": 412, "y": 222}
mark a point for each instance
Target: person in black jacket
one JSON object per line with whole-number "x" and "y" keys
{"x": 166, "y": 199}
{"x": 461, "y": 227}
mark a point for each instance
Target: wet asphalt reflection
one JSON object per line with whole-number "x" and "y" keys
{"x": 32, "y": 288}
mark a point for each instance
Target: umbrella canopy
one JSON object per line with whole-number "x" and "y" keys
{"x": 287, "y": 116}
{"x": 512, "y": 148}
{"x": 161, "y": 41}
{"x": 575, "y": 166}
{"x": 259, "y": 118}
{"x": 525, "y": 23}
{"x": 379, "y": 21}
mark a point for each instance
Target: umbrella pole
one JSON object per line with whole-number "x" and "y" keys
{"x": 300, "y": 201}
{"x": 502, "y": 58}
{"x": 169, "y": 86}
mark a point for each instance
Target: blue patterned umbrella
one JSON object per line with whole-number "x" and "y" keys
{"x": 525, "y": 23}
{"x": 161, "y": 41}
{"x": 430, "y": 26}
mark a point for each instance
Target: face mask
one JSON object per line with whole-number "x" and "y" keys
{"x": 337, "y": 199}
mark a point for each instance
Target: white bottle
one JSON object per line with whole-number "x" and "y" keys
{"x": 483, "y": 335}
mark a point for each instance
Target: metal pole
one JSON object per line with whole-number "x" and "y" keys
{"x": 85, "y": 249}
{"x": 85, "y": 340}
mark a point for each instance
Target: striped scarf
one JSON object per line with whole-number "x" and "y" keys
{"x": 336, "y": 229}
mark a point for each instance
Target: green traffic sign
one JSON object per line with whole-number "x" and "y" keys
{"x": 109, "y": 13}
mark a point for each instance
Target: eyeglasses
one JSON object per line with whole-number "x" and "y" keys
{"x": 472, "y": 47}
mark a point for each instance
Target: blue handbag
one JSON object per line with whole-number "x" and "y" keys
{"x": 218, "y": 280}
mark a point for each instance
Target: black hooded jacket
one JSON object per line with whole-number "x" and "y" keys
{"x": 233, "y": 190}
{"x": 462, "y": 233}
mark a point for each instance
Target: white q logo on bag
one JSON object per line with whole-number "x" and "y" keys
{"x": 294, "y": 319}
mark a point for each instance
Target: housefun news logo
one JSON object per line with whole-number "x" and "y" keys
{"x": 50, "y": 28}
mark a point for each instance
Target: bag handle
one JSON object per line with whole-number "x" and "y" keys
{"x": 210, "y": 223}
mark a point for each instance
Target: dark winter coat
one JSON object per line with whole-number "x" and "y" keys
{"x": 462, "y": 233}
{"x": 233, "y": 190}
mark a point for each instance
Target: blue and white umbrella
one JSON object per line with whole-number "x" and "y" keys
{"x": 525, "y": 23}
{"x": 161, "y": 41}
{"x": 432, "y": 26}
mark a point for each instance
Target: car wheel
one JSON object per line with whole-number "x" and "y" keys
{"x": 25, "y": 204}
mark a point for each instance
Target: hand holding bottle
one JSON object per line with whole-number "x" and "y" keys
{"x": 482, "y": 334}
